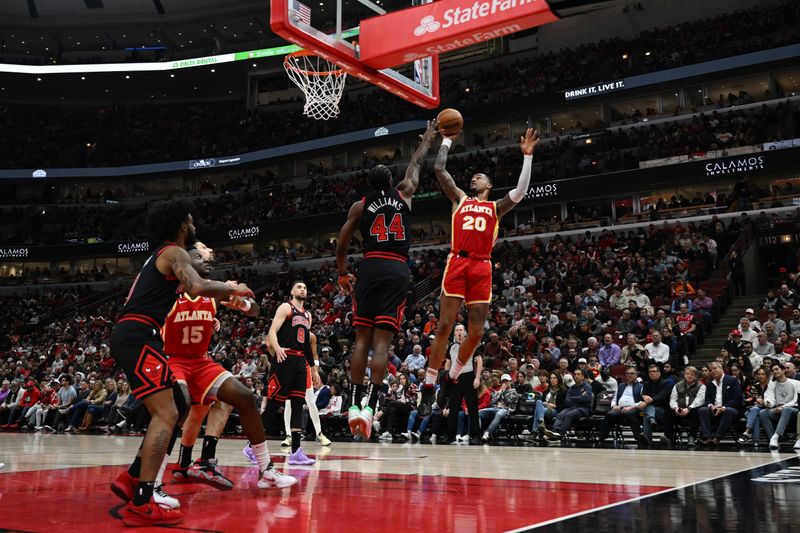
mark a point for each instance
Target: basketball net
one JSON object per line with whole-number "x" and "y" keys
{"x": 321, "y": 81}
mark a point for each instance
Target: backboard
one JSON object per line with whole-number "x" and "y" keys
{"x": 293, "y": 21}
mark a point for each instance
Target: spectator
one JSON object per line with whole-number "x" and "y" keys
{"x": 748, "y": 334}
{"x": 763, "y": 347}
{"x": 609, "y": 353}
{"x": 578, "y": 404}
{"x": 687, "y": 329}
{"x": 29, "y": 399}
{"x": 704, "y": 305}
{"x": 656, "y": 394}
{"x": 547, "y": 408}
{"x": 723, "y": 402}
{"x": 656, "y": 350}
{"x": 754, "y": 403}
{"x": 681, "y": 301}
{"x": 780, "y": 402}
{"x": 416, "y": 360}
{"x": 754, "y": 358}
{"x": 503, "y": 403}
{"x": 626, "y": 407}
{"x": 686, "y": 397}
{"x": 777, "y": 322}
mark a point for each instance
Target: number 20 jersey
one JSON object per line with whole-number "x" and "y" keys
{"x": 189, "y": 327}
{"x": 475, "y": 226}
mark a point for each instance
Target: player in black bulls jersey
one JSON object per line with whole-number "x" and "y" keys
{"x": 137, "y": 345}
{"x": 290, "y": 338}
{"x": 384, "y": 219}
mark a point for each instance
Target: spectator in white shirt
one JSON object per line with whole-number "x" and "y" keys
{"x": 780, "y": 401}
{"x": 657, "y": 350}
{"x": 755, "y": 358}
{"x": 747, "y": 332}
{"x": 415, "y": 359}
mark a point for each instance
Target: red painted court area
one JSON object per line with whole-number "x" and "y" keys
{"x": 79, "y": 499}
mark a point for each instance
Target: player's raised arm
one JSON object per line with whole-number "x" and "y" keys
{"x": 345, "y": 236}
{"x": 409, "y": 185}
{"x": 284, "y": 310}
{"x": 444, "y": 178}
{"x": 527, "y": 144}
{"x": 175, "y": 260}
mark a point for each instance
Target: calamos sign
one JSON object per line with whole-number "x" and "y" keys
{"x": 425, "y": 30}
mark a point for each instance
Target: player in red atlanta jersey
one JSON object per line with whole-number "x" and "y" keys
{"x": 187, "y": 333}
{"x": 468, "y": 274}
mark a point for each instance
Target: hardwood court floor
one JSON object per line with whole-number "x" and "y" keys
{"x": 57, "y": 481}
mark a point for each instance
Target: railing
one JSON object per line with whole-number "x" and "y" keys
{"x": 427, "y": 287}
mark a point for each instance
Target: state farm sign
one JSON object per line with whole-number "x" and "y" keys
{"x": 403, "y": 36}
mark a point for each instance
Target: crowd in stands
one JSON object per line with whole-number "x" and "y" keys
{"x": 38, "y": 136}
{"x": 572, "y": 318}
{"x": 564, "y": 158}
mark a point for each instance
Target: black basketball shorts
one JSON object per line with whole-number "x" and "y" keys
{"x": 290, "y": 378}
{"x": 380, "y": 293}
{"x": 139, "y": 350}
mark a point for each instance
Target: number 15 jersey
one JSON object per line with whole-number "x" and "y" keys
{"x": 189, "y": 326}
{"x": 475, "y": 226}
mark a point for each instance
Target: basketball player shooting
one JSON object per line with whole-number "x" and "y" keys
{"x": 384, "y": 218}
{"x": 468, "y": 274}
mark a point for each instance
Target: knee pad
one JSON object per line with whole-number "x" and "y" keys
{"x": 180, "y": 394}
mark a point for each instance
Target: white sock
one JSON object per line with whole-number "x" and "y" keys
{"x": 287, "y": 417}
{"x": 161, "y": 470}
{"x": 430, "y": 376}
{"x": 312, "y": 411}
{"x": 456, "y": 369}
{"x": 262, "y": 455}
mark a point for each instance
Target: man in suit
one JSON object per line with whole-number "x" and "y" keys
{"x": 626, "y": 407}
{"x": 723, "y": 402}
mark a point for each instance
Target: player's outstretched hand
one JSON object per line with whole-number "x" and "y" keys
{"x": 528, "y": 142}
{"x": 346, "y": 282}
{"x": 280, "y": 354}
{"x": 240, "y": 289}
{"x": 430, "y": 131}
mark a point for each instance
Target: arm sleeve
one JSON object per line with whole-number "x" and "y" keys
{"x": 519, "y": 192}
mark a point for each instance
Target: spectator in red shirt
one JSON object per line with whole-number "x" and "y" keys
{"x": 29, "y": 398}
{"x": 686, "y": 326}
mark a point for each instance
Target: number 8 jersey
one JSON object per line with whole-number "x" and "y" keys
{"x": 189, "y": 326}
{"x": 475, "y": 226}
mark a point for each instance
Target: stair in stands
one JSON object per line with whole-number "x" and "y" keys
{"x": 727, "y": 321}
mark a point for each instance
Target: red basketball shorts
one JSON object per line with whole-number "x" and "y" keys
{"x": 200, "y": 374}
{"x": 470, "y": 279}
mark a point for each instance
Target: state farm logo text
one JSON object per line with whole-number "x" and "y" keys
{"x": 464, "y": 15}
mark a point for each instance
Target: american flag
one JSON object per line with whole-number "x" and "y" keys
{"x": 304, "y": 12}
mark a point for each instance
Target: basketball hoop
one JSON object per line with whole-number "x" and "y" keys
{"x": 320, "y": 80}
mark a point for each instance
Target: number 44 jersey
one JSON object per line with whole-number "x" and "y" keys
{"x": 189, "y": 326}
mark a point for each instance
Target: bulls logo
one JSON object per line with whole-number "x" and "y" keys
{"x": 152, "y": 371}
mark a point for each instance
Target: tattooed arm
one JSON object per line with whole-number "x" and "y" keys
{"x": 444, "y": 178}
{"x": 175, "y": 261}
{"x": 409, "y": 185}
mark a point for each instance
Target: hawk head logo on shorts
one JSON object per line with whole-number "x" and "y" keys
{"x": 428, "y": 24}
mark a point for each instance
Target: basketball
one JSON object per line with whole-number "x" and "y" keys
{"x": 450, "y": 122}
